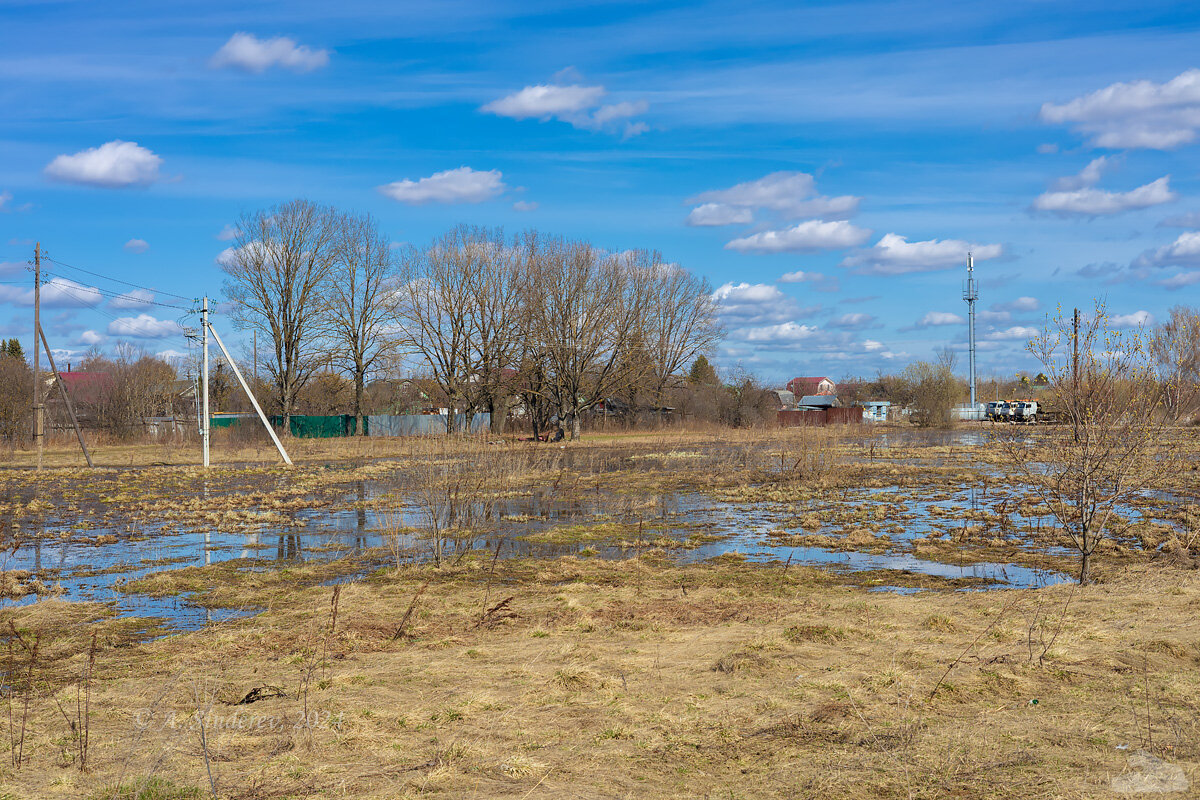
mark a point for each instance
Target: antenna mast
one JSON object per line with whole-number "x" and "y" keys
{"x": 971, "y": 294}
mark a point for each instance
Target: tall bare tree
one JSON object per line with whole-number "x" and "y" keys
{"x": 1176, "y": 348}
{"x": 584, "y": 308}
{"x": 433, "y": 311}
{"x": 359, "y": 298}
{"x": 1112, "y": 450}
{"x": 277, "y": 271}
{"x": 679, "y": 323}
{"x": 497, "y": 320}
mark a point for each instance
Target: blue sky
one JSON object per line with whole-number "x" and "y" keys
{"x": 824, "y": 165}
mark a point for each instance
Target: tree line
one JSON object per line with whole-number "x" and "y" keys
{"x": 550, "y": 325}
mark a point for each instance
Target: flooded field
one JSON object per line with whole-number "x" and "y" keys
{"x": 98, "y": 536}
{"x": 871, "y": 613}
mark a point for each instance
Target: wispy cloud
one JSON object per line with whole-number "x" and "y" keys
{"x": 248, "y": 53}
{"x": 580, "y": 106}
{"x": 818, "y": 281}
{"x": 137, "y": 246}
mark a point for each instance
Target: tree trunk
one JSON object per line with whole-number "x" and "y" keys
{"x": 360, "y": 428}
{"x": 1085, "y": 568}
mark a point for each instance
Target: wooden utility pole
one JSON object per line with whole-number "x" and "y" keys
{"x": 62, "y": 390}
{"x": 38, "y": 422}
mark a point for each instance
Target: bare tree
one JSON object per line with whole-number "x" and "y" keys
{"x": 1176, "y": 349}
{"x": 1102, "y": 380}
{"x": 277, "y": 272}
{"x": 498, "y": 313}
{"x": 934, "y": 390}
{"x": 433, "y": 311}
{"x": 584, "y": 308}
{"x": 679, "y": 321}
{"x": 359, "y": 298}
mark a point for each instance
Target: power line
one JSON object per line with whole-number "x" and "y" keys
{"x": 116, "y": 296}
{"x": 118, "y": 280}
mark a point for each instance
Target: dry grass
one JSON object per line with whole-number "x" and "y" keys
{"x": 611, "y": 681}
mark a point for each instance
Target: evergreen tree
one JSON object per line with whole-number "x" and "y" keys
{"x": 702, "y": 372}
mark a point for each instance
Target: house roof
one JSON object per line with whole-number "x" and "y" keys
{"x": 806, "y": 385}
{"x": 817, "y": 400}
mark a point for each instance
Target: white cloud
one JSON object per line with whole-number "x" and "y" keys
{"x": 227, "y": 234}
{"x": 1134, "y": 320}
{"x": 1140, "y": 114}
{"x": 137, "y": 246}
{"x": 462, "y": 185}
{"x": 5, "y": 199}
{"x": 1089, "y": 201}
{"x": 1047, "y": 148}
{"x": 895, "y": 255}
{"x": 1014, "y": 333}
{"x": 1183, "y": 252}
{"x": 857, "y": 321}
{"x": 934, "y": 318}
{"x": 807, "y": 236}
{"x": 1180, "y": 280}
{"x": 712, "y": 214}
{"x": 546, "y": 101}
{"x": 115, "y": 164}
{"x": 56, "y": 293}
{"x": 89, "y": 338}
{"x": 132, "y": 300}
{"x": 575, "y": 104}
{"x": 753, "y": 303}
{"x": 789, "y": 194}
{"x": 143, "y": 326}
{"x": 820, "y": 282}
{"x": 248, "y": 53}
{"x": 523, "y": 205}
{"x": 993, "y": 316}
{"x": 781, "y": 335}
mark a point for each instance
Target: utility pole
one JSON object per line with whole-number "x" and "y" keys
{"x": 38, "y": 422}
{"x": 254, "y": 367}
{"x": 971, "y": 294}
{"x": 204, "y": 379}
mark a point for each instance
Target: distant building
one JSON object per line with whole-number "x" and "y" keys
{"x": 786, "y": 398}
{"x": 809, "y": 386}
{"x": 875, "y": 410}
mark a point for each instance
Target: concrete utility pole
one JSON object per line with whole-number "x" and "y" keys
{"x": 971, "y": 294}
{"x": 204, "y": 379}
{"x": 39, "y": 431}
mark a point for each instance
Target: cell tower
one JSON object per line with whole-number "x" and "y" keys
{"x": 971, "y": 294}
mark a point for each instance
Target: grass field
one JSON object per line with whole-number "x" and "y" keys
{"x": 638, "y": 677}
